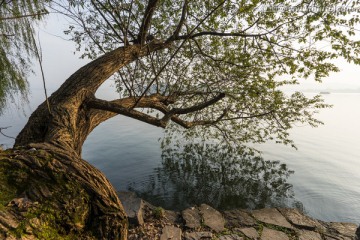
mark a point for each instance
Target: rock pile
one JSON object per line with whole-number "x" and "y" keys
{"x": 204, "y": 222}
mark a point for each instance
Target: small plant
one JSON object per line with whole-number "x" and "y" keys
{"x": 159, "y": 212}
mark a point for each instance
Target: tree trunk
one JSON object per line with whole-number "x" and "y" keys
{"x": 49, "y": 188}
{"x": 49, "y": 193}
{"x": 70, "y": 120}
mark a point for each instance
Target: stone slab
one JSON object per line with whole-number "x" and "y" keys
{"x": 133, "y": 207}
{"x": 230, "y": 237}
{"x": 212, "y": 218}
{"x": 171, "y": 233}
{"x": 299, "y": 219}
{"x": 271, "y": 216}
{"x": 309, "y": 235}
{"x": 249, "y": 232}
{"x": 345, "y": 229}
{"x": 270, "y": 234}
{"x": 171, "y": 217}
{"x": 238, "y": 218}
{"x": 198, "y": 235}
{"x": 192, "y": 218}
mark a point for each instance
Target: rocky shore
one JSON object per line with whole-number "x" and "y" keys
{"x": 204, "y": 222}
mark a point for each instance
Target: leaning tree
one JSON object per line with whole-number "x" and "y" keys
{"x": 210, "y": 69}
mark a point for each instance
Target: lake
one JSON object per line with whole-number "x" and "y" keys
{"x": 322, "y": 177}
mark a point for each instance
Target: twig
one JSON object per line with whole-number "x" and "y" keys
{"x": 3, "y": 128}
{"x": 38, "y": 53}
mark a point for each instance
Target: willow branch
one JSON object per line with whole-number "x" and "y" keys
{"x": 23, "y": 16}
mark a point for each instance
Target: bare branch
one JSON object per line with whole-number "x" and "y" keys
{"x": 238, "y": 34}
{"x": 218, "y": 60}
{"x": 220, "y": 34}
{"x": 249, "y": 116}
{"x": 3, "y": 128}
{"x": 106, "y": 20}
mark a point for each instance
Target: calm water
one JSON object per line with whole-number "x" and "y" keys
{"x": 325, "y": 181}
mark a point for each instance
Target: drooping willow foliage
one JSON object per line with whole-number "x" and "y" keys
{"x": 17, "y": 46}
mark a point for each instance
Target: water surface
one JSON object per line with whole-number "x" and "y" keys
{"x": 325, "y": 181}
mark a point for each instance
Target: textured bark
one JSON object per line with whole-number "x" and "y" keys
{"x": 52, "y": 194}
{"x": 70, "y": 120}
{"x": 83, "y": 202}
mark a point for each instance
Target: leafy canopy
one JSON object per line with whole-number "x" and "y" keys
{"x": 227, "y": 60}
{"x": 17, "y": 45}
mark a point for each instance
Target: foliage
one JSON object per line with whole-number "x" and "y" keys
{"x": 17, "y": 45}
{"x": 247, "y": 50}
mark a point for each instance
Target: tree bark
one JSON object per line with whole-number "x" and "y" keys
{"x": 63, "y": 194}
{"x": 48, "y": 193}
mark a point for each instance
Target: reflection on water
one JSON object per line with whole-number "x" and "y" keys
{"x": 326, "y": 179}
{"x": 222, "y": 176}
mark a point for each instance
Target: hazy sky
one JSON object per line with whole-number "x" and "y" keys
{"x": 60, "y": 62}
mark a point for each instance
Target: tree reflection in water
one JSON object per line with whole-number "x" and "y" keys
{"x": 224, "y": 177}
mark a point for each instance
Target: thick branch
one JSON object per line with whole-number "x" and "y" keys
{"x": 92, "y": 75}
{"x": 119, "y": 109}
{"x": 145, "y": 25}
{"x": 156, "y": 101}
{"x": 181, "y": 22}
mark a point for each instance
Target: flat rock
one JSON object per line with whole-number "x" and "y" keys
{"x": 198, "y": 235}
{"x": 192, "y": 218}
{"x": 171, "y": 217}
{"x": 299, "y": 219}
{"x": 238, "y": 218}
{"x": 230, "y": 237}
{"x": 133, "y": 207}
{"x": 269, "y": 234}
{"x": 171, "y": 232}
{"x": 248, "y": 232}
{"x": 345, "y": 229}
{"x": 212, "y": 218}
{"x": 271, "y": 216}
{"x": 309, "y": 235}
